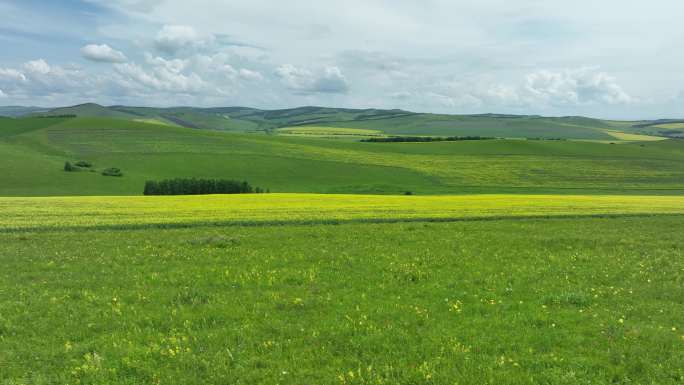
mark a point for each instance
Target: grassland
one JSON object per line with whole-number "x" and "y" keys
{"x": 571, "y": 273}
{"x": 634, "y": 137}
{"x": 517, "y": 300}
{"x": 169, "y": 211}
{"x": 328, "y": 132}
{"x": 33, "y": 151}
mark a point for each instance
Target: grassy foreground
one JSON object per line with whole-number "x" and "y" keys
{"x": 511, "y": 301}
{"x": 170, "y": 211}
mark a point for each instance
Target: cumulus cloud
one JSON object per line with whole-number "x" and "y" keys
{"x": 10, "y": 74}
{"x": 332, "y": 81}
{"x": 103, "y": 53}
{"x": 37, "y": 79}
{"x": 198, "y": 74}
{"x": 2, "y": 94}
{"x": 161, "y": 78}
{"x": 172, "y": 39}
{"x": 576, "y": 86}
{"x": 560, "y": 91}
{"x": 37, "y": 67}
{"x": 301, "y": 80}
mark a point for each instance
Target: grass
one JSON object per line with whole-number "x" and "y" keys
{"x": 634, "y": 137}
{"x": 132, "y": 212}
{"x": 390, "y": 122}
{"x": 328, "y": 131}
{"x": 484, "y": 125}
{"x": 670, "y": 126}
{"x": 153, "y": 121}
{"x": 572, "y": 273}
{"x": 511, "y": 301}
{"x": 33, "y": 151}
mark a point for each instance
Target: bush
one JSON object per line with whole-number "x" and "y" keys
{"x": 68, "y": 167}
{"x": 84, "y": 164}
{"x": 406, "y": 139}
{"x": 408, "y": 193}
{"x": 112, "y": 172}
{"x": 193, "y": 186}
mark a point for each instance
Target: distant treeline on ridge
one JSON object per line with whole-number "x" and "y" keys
{"x": 394, "y": 139}
{"x": 180, "y": 186}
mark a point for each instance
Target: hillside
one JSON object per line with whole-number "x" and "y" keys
{"x": 385, "y": 122}
{"x": 18, "y": 111}
{"x": 34, "y": 150}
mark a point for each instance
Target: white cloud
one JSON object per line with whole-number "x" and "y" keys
{"x": 251, "y": 75}
{"x": 560, "y": 92}
{"x": 103, "y": 53}
{"x": 38, "y": 80}
{"x": 11, "y": 75}
{"x": 435, "y": 55}
{"x": 37, "y": 67}
{"x": 2, "y": 94}
{"x": 332, "y": 81}
{"x": 576, "y": 86}
{"x": 302, "y": 80}
{"x": 295, "y": 78}
{"x": 161, "y": 78}
{"x": 172, "y": 39}
{"x": 172, "y": 65}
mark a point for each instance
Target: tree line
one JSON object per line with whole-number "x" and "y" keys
{"x": 180, "y": 186}
{"x": 395, "y": 139}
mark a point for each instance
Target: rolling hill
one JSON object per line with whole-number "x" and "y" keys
{"x": 387, "y": 122}
{"x": 33, "y": 152}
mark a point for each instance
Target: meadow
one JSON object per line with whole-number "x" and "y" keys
{"x": 509, "y": 300}
{"x": 34, "y": 150}
{"x": 550, "y": 255}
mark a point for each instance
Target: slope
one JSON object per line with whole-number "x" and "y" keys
{"x": 390, "y": 122}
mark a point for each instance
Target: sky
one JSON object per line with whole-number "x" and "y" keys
{"x": 617, "y": 59}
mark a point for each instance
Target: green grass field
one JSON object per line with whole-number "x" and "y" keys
{"x": 515, "y": 261}
{"x": 509, "y": 300}
{"x": 33, "y": 152}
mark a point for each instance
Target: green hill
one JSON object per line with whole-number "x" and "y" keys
{"x": 387, "y": 122}
{"x": 19, "y": 111}
{"x": 34, "y": 150}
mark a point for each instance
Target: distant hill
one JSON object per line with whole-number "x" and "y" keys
{"x": 387, "y": 122}
{"x": 17, "y": 111}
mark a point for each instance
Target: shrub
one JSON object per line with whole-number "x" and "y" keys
{"x": 84, "y": 164}
{"x": 193, "y": 186}
{"x": 408, "y": 193}
{"x": 68, "y": 167}
{"x": 406, "y": 139}
{"x": 113, "y": 171}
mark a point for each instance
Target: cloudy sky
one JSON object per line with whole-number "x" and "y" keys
{"x": 608, "y": 58}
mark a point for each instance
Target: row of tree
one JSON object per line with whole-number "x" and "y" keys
{"x": 180, "y": 186}
{"x": 395, "y": 139}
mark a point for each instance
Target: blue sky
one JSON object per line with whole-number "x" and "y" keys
{"x": 612, "y": 59}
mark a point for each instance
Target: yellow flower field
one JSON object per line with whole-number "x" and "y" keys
{"x": 50, "y": 212}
